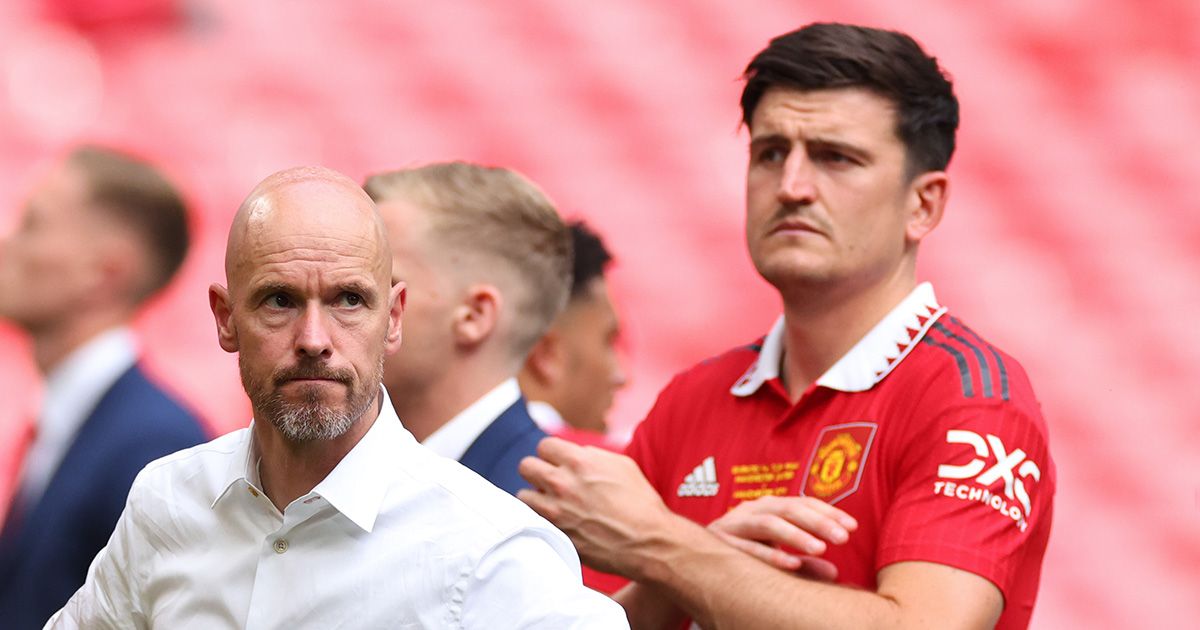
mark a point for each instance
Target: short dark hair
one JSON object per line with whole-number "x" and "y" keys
{"x": 591, "y": 257}
{"x": 137, "y": 195}
{"x": 892, "y": 64}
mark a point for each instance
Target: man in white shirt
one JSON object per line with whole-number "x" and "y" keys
{"x": 488, "y": 264}
{"x": 324, "y": 512}
{"x": 573, "y": 371}
{"x": 101, "y": 233}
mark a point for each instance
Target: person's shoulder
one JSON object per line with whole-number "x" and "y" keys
{"x": 953, "y": 366}
{"x": 136, "y": 398}
{"x": 460, "y": 497}
{"x": 720, "y": 370}
{"x": 180, "y": 471}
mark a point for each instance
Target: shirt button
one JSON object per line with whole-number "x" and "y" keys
{"x": 281, "y": 545}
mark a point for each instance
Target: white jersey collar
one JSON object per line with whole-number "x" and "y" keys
{"x": 869, "y": 361}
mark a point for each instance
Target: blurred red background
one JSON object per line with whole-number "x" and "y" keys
{"x": 1071, "y": 238}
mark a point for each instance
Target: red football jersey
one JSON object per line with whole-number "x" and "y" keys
{"x": 926, "y": 434}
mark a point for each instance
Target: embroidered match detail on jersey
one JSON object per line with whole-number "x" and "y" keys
{"x": 702, "y": 481}
{"x": 967, "y": 350}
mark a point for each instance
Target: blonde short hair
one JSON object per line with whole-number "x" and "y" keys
{"x": 501, "y": 217}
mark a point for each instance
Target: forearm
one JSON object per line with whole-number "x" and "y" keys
{"x": 648, "y": 608}
{"x": 721, "y": 587}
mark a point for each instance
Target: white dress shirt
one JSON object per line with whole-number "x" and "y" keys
{"x": 72, "y": 391}
{"x": 456, "y": 436}
{"x": 394, "y": 537}
{"x": 546, "y": 416}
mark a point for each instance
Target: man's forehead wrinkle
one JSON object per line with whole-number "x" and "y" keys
{"x": 308, "y": 208}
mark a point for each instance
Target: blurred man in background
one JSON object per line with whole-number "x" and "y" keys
{"x": 865, "y": 393}
{"x": 324, "y": 513}
{"x": 573, "y": 371}
{"x": 101, "y": 234}
{"x": 488, "y": 264}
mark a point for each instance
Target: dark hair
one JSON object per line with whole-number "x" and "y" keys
{"x": 591, "y": 257}
{"x": 892, "y": 64}
{"x": 136, "y": 194}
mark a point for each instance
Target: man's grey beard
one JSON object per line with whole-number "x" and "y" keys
{"x": 310, "y": 419}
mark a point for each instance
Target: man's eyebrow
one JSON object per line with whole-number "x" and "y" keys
{"x": 364, "y": 289}
{"x": 768, "y": 138}
{"x": 270, "y": 288}
{"x": 838, "y": 145}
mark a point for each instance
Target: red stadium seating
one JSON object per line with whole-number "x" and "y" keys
{"x": 1072, "y": 237}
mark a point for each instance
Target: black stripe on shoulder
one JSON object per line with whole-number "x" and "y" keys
{"x": 1000, "y": 367}
{"x": 985, "y": 370}
{"x": 964, "y": 372}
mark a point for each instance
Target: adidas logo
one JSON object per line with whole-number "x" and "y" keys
{"x": 702, "y": 482}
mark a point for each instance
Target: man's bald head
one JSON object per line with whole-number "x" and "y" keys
{"x": 310, "y": 201}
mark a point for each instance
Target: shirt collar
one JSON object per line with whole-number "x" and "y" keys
{"x": 870, "y": 360}
{"x": 75, "y": 386}
{"x": 545, "y": 415}
{"x": 454, "y": 438}
{"x": 72, "y": 391}
{"x": 355, "y": 487}
{"x": 358, "y": 484}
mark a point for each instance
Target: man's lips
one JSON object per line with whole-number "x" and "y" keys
{"x": 793, "y": 226}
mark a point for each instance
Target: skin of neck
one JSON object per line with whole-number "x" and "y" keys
{"x": 822, "y": 324}
{"x": 469, "y": 375}
{"x": 53, "y": 344}
{"x": 289, "y": 470}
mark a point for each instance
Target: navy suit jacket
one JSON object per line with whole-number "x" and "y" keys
{"x": 46, "y": 551}
{"x": 497, "y": 451}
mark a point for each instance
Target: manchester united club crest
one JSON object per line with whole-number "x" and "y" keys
{"x": 836, "y": 466}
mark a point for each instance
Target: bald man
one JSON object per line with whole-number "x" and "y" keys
{"x": 325, "y": 512}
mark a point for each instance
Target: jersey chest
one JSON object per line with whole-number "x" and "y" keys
{"x": 832, "y": 446}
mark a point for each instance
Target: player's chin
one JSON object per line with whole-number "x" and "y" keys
{"x": 793, "y": 270}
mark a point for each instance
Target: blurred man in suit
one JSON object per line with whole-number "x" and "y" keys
{"x": 488, "y": 263}
{"x": 101, "y": 234}
{"x": 573, "y": 371}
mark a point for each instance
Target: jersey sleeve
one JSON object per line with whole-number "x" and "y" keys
{"x": 649, "y": 445}
{"x": 973, "y": 490}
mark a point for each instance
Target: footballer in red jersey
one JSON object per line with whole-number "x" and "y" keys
{"x": 924, "y": 433}
{"x": 872, "y": 463}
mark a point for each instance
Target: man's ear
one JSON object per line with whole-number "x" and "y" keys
{"x": 218, "y": 301}
{"x": 119, "y": 269}
{"x": 545, "y": 361}
{"x": 397, "y": 297}
{"x": 477, "y": 317}
{"x": 928, "y": 200}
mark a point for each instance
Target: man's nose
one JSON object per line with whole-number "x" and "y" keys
{"x": 797, "y": 184}
{"x": 313, "y": 339}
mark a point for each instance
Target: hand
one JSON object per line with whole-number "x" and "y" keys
{"x": 599, "y": 498}
{"x": 761, "y": 527}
